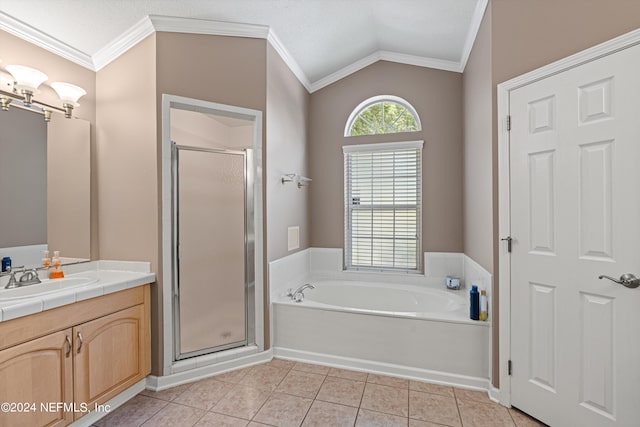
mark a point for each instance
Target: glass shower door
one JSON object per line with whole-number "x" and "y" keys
{"x": 210, "y": 195}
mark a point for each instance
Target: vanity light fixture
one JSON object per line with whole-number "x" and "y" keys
{"x": 69, "y": 95}
{"x": 27, "y": 80}
{"x": 23, "y": 84}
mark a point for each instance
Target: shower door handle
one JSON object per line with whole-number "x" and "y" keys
{"x": 628, "y": 280}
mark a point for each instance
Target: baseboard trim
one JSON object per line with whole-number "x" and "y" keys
{"x": 437, "y": 377}
{"x": 112, "y": 404}
{"x": 156, "y": 383}
{"x": 494, "y": 394}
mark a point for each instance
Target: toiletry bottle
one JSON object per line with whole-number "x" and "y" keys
{"x": 57, "y": 272}
{"x": 483, "y": 305}
{"x": 474, "y": 298}
{"x": 6, "y": 264}
{"x": 46, "y": 261}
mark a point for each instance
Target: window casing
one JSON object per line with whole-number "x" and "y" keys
{"x": 383, "y": 201}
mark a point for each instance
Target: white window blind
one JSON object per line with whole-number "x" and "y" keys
{"x": 383, "y": 192}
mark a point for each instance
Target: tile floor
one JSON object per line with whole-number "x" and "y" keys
{"x": 285, "y": 393}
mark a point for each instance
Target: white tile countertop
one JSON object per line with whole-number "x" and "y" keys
{"x": 102, "y": 278}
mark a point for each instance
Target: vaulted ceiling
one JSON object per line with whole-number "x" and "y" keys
{"x": 322, "y": 40}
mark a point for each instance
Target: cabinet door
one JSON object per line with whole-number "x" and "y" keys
{"x": 110, "y": 355}
{"x": 38, "y": 373}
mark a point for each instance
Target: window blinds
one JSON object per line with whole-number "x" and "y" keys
{"x": 382, "y": 206}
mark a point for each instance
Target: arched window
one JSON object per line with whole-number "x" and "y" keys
{"x": 382, "y": 114}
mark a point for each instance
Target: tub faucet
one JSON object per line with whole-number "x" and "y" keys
{"x": 298, "y": 294}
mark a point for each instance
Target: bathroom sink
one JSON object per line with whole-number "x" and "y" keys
{"x": 47, "y": 286}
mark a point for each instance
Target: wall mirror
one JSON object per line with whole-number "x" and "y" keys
{"x": 44, "y": 187}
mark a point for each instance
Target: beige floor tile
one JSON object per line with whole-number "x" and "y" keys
{"x": 204, "y": 394}
{"x": 241, "y": 402}
{"x": 434, "y": 408}
{"x": 211, "y": 419}
{"x": 175, "y": 415}
{"x": 381, "y": 398}
{"x": 350, "y": 375}
{"x": 133, "y": 413}
{"x": 324, "y": 414}
{"x": 303, "y": 384}
{"x": 479, "y": 414}
{"x": 388, "y": 381}
{"x": 264, "y": 377}
{"x": 255, "y": 424}
{"x": 418, "y": 423}
{"x": 431, "y": 388}
{"x": 478, "y": 396}
{"x": 342, "y": 391}
{"x": 281, "y": 363}
{"x": 283, "y": 410}
{"x": 523, "y": 420}
{"x": 378, "y": 419}
{"x": 233, "y": 377}
{"x": 308, "y": 367}
{"x": 168, "y": 394}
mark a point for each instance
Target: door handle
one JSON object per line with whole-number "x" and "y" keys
{"x": 629, "y": 280}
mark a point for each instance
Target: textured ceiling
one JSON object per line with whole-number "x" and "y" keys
{"x": 323, "y": 36}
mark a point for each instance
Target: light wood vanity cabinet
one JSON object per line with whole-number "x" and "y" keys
{"x": 80, "y": 354}
{"x": 37, "y": 371}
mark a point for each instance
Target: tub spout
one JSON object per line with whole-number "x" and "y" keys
{"x": 298, "y": 294}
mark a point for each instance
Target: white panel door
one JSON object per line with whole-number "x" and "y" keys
{"x": 575, "y": 215}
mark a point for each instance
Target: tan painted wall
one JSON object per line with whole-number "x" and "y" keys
{"x": 478, "y": 177}
{"x": 437, "y": 97}
{"x": 17, "y": 51}
{"x": 287, "y": 152}
{"x": 128, "y": 167}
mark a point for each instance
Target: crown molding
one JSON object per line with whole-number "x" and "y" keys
{"x": 170, "y": 24}
{"x": 420, "y": 61}
{"x": 345, "y": 71}
{"x": 384, "y": 55}
{"x": 37, "y": 37}
{"x": 134, "y": 35}
{"x": 476, "y": 21}
{"x": 289, "y": 60}
{"x": 154, "y": 23}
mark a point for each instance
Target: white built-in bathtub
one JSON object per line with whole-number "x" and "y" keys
{"x": 415, "y": 331}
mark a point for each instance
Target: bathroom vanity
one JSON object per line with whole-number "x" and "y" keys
{"x": 64, "y": 353}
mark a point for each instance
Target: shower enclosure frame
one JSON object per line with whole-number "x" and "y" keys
{"x": 249, "y": 244}
{"x": 170, "y": 363}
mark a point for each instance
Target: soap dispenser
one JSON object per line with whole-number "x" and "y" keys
{"x": 46, "y": 261}
{"x": 57, "y": 272}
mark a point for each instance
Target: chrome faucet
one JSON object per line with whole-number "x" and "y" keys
{"x": 28, "y": 277}
{"x": 298, "y": 294}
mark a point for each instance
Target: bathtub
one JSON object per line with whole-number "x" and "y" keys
{"x": 413, "y": 331}
{"x": 387, "y": 300}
